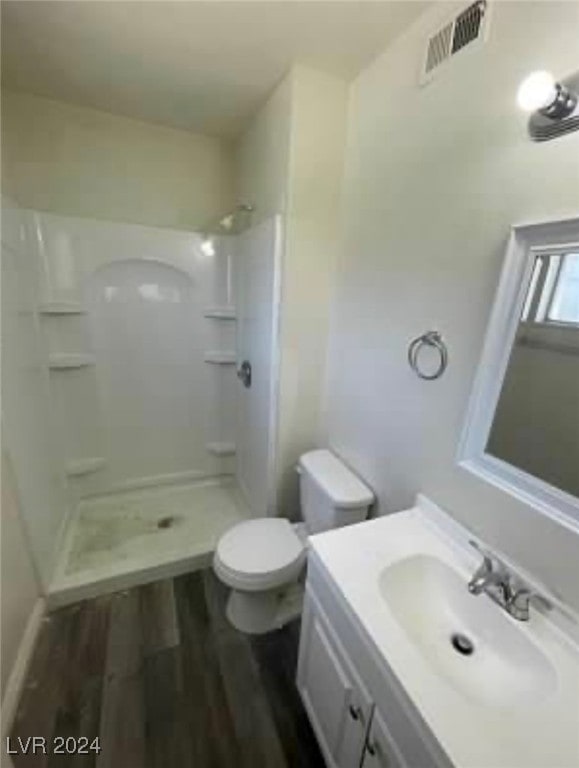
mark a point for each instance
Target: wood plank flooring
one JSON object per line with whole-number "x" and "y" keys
{"x": 161, "y": 677}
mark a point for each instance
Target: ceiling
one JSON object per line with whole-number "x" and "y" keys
{"x": 201, "y": 66}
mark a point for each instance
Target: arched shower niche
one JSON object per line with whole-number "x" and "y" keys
{"x": 161, "y": 404}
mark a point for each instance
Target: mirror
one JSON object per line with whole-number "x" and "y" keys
{"x": 536, "y": 422}
{"x": 521, "y": 431}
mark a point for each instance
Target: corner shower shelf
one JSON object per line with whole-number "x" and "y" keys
{"x": 68, "y": 361}
{"x": 79, "y": 467}
{"x": 61, "y": 308}
{"x": 221, "y": 449}
{"x": 221, "y": 313}
{"x": 220, "y": 358}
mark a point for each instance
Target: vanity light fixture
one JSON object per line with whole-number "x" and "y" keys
{"x": 552, "y": 104}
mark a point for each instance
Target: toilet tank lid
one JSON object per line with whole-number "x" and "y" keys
{"x": 335, "y": 479}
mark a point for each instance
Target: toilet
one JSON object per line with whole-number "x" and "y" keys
{"x": 263, "y": 559}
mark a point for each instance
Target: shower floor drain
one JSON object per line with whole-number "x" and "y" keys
{"x": 165, "y": 522}
{"x": 462, "y": 644}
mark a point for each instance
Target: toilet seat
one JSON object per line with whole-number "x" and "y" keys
{"x": 259, "y": 554}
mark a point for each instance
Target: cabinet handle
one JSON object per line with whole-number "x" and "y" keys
{"x": 372, "y": 748}
{"x": 355, "y": 712}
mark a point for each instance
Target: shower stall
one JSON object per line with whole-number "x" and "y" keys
{"x": 157, "y": 442}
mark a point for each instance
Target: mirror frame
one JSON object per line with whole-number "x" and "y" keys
{"x": 525, "y": 242}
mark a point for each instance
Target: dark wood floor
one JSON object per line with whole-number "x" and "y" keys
{"x": 163, "y": 679}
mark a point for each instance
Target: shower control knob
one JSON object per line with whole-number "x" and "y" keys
{"x": 355, "y": 712}
{"x": 244, "y": 373}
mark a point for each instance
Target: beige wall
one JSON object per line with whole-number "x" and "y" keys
{"x": 82, "y": 162}
{"x": 18, "y": 582}
{"x": 318, "y": 136}
{"x": 291, "y": 160}
{"x": 261, "y": 154}
{"x": 435, "y": 176}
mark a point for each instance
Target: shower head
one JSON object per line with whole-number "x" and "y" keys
{"x": 232, "y": 222}
{"x": 236, "y": 220}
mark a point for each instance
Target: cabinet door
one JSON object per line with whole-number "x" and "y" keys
{"x": 380, "y": 750}
{"x": 335, "y": 699}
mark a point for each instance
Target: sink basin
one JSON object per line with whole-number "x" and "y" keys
{"x": 469, "y": 640}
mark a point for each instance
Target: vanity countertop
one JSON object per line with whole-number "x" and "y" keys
{"x": 538, "y": 730}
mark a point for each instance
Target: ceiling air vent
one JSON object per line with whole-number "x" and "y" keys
{"x": 438, "y": 48}
{"x": 461, "y": 31}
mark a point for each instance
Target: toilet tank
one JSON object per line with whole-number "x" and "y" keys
{"x": 331, "y": 495}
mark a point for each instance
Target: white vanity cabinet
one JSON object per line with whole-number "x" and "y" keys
{"x": 354, "y": 705}
{"x": 380, "y": 749}
{"x": 336, "y": 700}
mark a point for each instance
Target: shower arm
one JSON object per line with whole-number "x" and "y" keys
{"x": 227, "y": 224}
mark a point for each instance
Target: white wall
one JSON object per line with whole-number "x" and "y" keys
{"x": 290, "y": 161}
{"x": 435, "y": 176}
{"x": 19, "y": 586}
{"x": 77, "y": 161}
{"x": 26, "y": 411}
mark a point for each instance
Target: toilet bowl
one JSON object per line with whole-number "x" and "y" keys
{"x": 262, "y": 560}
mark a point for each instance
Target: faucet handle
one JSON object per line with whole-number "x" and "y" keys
{"x": 487, "y": 556}
{"x": 521, "y": 599}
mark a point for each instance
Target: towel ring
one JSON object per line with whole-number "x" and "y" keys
{"x": 431, "y": 339}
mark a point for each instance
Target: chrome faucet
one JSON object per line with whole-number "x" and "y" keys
{"x": 506, "y": 589}
{"x": 491, "y": 577}
{"x": 521, "y": 600}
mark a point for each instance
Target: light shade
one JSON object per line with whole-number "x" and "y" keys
{"x": 537, "y": 91}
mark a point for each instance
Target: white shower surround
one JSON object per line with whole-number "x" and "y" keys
{"x": 258, "y": 291}
{"x": 123, "y": 344}
{"x": 144, "y": 405}
{"x": 26, "y": 414}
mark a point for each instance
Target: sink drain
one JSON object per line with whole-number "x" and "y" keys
{"x": 462, "y": 644}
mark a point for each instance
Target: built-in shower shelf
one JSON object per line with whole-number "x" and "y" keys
{"x": 221, "y": 313}
{"x": 62, "y": 308}
{"x": 79, "y": 467}
{"x": 221, "y": 449}
{"x": 69, "y": 361}
{"x": 220, "y": 358}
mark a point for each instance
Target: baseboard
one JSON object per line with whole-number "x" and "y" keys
{"x": 20, "y": 667}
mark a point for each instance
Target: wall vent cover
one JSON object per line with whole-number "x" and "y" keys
{"x": 438, "y": 48}
{"x": 465, "y": 29}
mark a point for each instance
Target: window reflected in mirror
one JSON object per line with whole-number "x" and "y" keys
{"x": 536, "y": 423}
